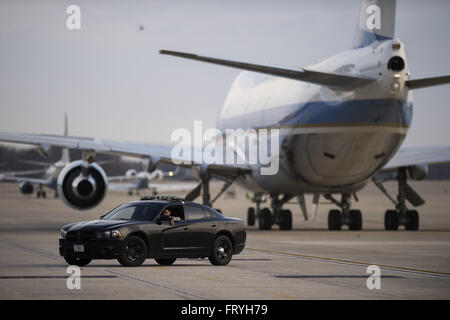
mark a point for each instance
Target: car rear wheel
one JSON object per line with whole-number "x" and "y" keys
{"x": 134, "y": 252}
{"x": 81, "y": 262}
{"x": 165, "y": 262}
{"x": 222, "y": 251}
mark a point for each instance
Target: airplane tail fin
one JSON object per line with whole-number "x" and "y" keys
{"x": 65, "y": 152}
{"x": 376, "y": 22}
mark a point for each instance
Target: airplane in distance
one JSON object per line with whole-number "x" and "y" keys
{"x": 50, "y": 171}
{"x": 341, "y": 125}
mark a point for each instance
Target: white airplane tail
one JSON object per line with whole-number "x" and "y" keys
{"x": 376, "y": 22}
{"x": 65, "y": 157}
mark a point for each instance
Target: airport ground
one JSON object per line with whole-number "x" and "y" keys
{"x": 308, "y": 262}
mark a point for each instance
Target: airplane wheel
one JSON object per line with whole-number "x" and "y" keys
{"x": 334, "y": 220}
{"x": 355, "y": 220}
{"x": 265, "y": 219}
{"x": 286, "y": 220}
{"x": 130, "y": 193}
{"x": 412, "y": 220}
{"x": 38, "y": 194}
{"x": 391, "y": 220}
{"x": 44, "y": 194}
{"x": 251, "y": 216}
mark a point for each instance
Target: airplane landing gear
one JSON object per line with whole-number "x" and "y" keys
{"x": 351, "y": 218}
{"x": 41, "y": 192}
{"x": 401, "y": 215}
{"x": 266, "y": 217}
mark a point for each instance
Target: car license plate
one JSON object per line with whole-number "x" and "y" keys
{"x": 78, "y": 248}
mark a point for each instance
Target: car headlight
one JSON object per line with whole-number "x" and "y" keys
{"x": 109, "y": 234}
{"x": 63, "y": 234}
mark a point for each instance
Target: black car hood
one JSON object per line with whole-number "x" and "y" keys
{"x": 97, "y": 225}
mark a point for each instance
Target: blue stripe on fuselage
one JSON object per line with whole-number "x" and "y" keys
{"x": 370, "y": 111}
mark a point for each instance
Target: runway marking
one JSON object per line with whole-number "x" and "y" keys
{"x": 161, "y": 286}
{"x": 282, "y": 295}
{"x": 358, "y": 263}
{"x": 208, "y": 278}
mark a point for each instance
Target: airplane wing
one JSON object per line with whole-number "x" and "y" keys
{"x": 418, "y": 83}
{"x": 118, "y": 178}
{"x": 121, "y": 186}
{"x": 24, "y": 172}
{"x": 409, "y": 156}
{"x": 23, "y": 179}
{"x": 156, "y": 153}
{"x": 334, "y": 80}
{"x": 159, "y": 187}
{"x": 37, "y": 163}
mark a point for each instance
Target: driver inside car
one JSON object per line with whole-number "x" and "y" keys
{"x": 168, "y": 212}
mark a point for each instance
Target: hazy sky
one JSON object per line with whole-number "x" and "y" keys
{"x": 113, "y": 83}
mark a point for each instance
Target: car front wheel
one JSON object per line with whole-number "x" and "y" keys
{"x": 222, "y": 251}
{"x": 134, "y": 252}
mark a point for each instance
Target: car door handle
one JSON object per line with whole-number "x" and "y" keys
{"x": 213, "y": 225}
{"x": 185, "y": 228}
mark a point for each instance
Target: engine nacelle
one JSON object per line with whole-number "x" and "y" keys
{"x": 80, "y": 190}
{"x": 418, "y": 172}
{"x": 26, "y": 187}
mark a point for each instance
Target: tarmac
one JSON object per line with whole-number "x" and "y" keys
{"x": 308, "y": 262}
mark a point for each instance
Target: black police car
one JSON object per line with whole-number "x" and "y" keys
{"x": 139, "y": 230}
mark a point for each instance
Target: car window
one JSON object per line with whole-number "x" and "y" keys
{"x": 194, "y": 212}
{"x": 175, "y": 211}
{"x": 135, "y": 211}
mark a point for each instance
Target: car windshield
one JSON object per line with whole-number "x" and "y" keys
{"x": 135, "y": 211}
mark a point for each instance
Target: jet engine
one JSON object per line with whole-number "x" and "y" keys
{"x": 418, "y": 172}
{"x": 26, "y": 188}
{"x": 82, "y": 185}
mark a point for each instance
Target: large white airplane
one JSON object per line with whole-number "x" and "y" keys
{"x": 341, "y": 123}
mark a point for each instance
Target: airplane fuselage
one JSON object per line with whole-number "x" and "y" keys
{"x": 330, "y": 140}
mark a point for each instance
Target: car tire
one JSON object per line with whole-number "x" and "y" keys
{"x": 80, "y": 262}
{"x": 251, "y": 216}
{"x": 134, "y": 252}
{"x": 222, "y": 251}
{"x": 165, "y": 262}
